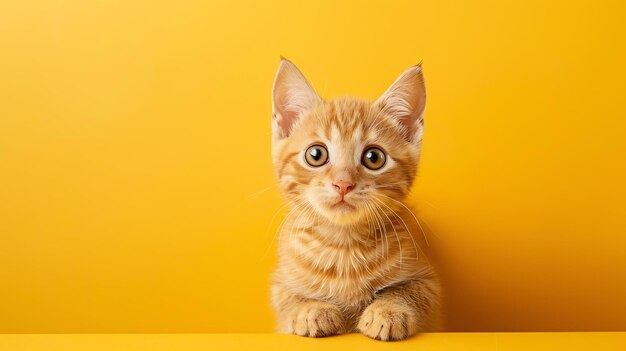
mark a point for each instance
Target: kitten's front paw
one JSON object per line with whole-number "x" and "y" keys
{"x": 316, "y": 319}
{"x": 387, "y": 321}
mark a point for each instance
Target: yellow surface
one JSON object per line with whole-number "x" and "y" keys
{"x": 135, "y": 180}
{"x": 225, "y": 342}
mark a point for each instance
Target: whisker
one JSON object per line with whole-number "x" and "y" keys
{"x": 384, "y": 236}
{"x": 371, "y": 212}
{"x": 415, "y": 246}
{"x": 305, "y": 224}
{"x": 257, "y": 193}
{"x": 383, "y": 184}
{"x": 277, "y": 232}
{"x": 412, "y": 214}
{"x": 294, "y": 224}
{"x": 429, "y": 204}
{"x": 293, "y": 211}
{"x": 397, "y": 237}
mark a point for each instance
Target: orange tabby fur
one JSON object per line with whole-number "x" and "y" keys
{"x": 359, "y": 267}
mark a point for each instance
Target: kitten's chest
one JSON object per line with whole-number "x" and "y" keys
{"x": 348, "y": 274}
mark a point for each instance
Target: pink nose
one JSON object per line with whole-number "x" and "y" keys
{"x": 343, "y": 186}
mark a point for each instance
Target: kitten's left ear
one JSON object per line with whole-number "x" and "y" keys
{"x": 292, "y": 95}
{"x": 405, "y": 101}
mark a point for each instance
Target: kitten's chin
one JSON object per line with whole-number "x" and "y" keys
{"x": 342, "y": 213}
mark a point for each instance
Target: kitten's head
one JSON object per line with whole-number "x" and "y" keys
{"x": 346, "y": 158}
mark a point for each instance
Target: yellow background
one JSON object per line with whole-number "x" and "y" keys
{"x": 230, "y": 342}
{"x": 136, "y": 190}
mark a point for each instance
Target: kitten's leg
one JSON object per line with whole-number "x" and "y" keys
{"x": 401, "y": 311}
{"x": 306, "y": 317}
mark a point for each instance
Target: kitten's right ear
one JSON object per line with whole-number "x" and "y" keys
{"x": 292, "y": 95}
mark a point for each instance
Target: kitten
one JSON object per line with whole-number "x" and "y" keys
{"x": 347, "y": 258}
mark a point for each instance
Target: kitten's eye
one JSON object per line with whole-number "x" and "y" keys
{"x": 374, "y": 158}
{"x": 316, "y": 155}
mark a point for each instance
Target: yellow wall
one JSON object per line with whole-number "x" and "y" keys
{"x": 135, "y": 179}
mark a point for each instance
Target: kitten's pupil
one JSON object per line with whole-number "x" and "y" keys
{"x": 316, "y": 154}
{"x": 372, "y": 156}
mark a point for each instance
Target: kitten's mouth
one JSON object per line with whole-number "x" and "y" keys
{"x": 343, "y": 205}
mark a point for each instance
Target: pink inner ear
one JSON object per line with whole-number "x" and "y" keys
{"x": 289, "y": 109}
{"x": 405, "y": 101}
{"x": 292, "y": 96}
{"x": 285, "y": 121}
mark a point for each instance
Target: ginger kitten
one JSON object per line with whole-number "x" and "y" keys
{"x": 349, "y": 250}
